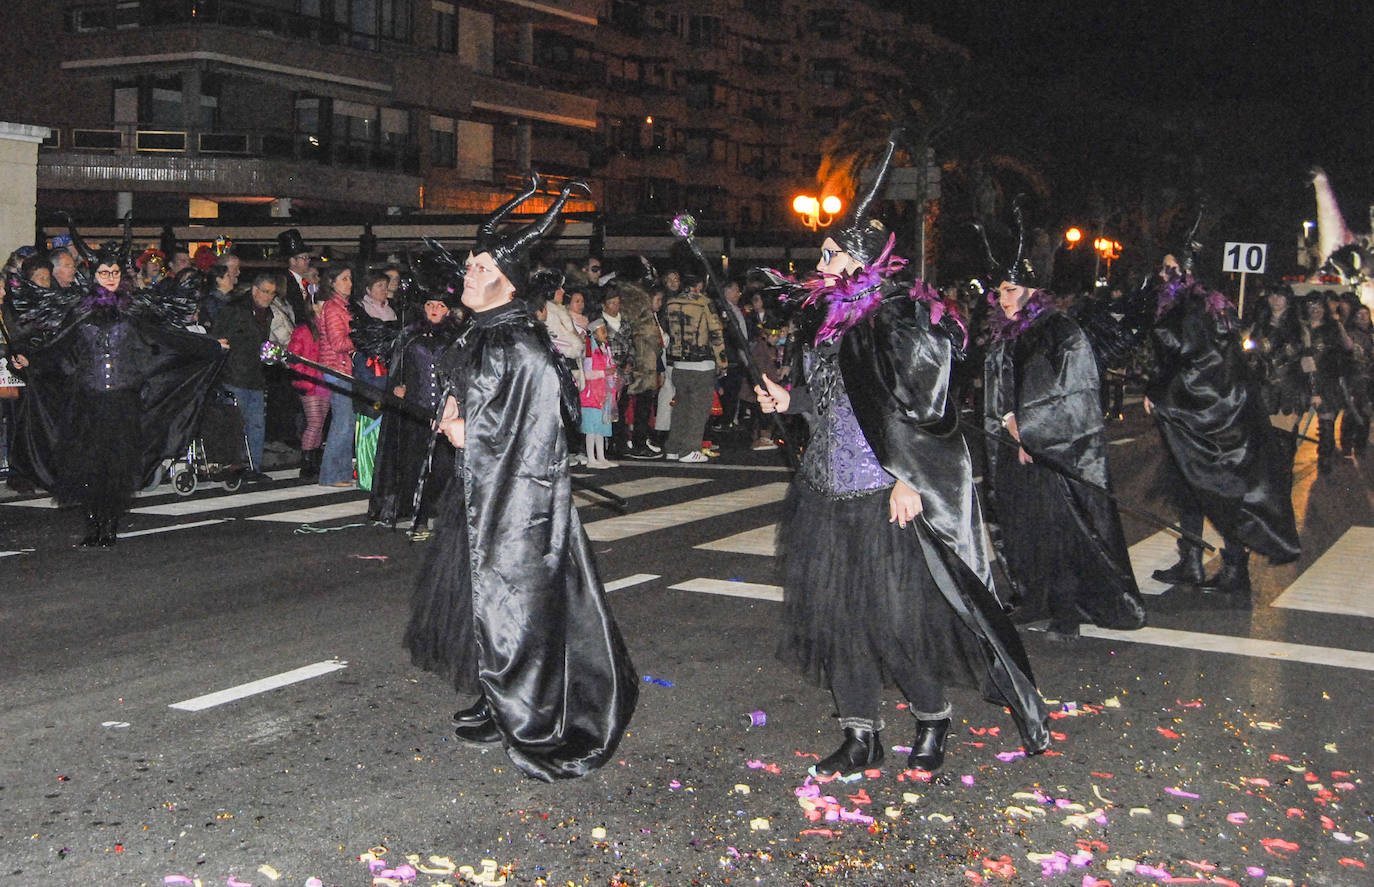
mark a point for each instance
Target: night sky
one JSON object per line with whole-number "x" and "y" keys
{"x": 1230, "y": 101}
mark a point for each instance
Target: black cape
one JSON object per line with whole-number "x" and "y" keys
{"x": 510, "y": 602}
{"x": 1061, "y": 542}
{"x": 896, "y": 367}
{"x": 1220, "y": 442}
{"x": 173, "y": 370}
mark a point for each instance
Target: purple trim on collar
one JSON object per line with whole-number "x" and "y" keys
{"x": 1005, "y": 328}
{"x": 1186, "y": 285}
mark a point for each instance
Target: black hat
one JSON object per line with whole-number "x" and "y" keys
{"x": 1019, "y": 271}
{"x": 511, "y": 252}
{"x": 290, "y": 243}
{"x": 167, "y": 242}
{"x": 864, "y": 238}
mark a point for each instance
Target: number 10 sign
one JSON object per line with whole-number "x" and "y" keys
{"x": 1244, "y": 258}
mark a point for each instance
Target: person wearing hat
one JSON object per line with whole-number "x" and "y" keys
{"x": 1042, "y": 399}
{"x": 404, "y": 441}
{"x": 509, "y": 606}
{"x": 292, "y": 248}
{"x": 115, "y": 385}
{"x": 1224, "y": 461}
{"x": 884, "y": 570}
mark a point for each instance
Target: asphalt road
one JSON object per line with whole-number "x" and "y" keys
{"x": 1220, "y": 745}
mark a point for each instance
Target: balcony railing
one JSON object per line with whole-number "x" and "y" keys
{"x": 118, "y": 15}
{"x": 403, "y": 157}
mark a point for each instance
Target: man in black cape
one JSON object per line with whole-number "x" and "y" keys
{"x": 510, "y": 605}
{"x": 1224, "y": 460}
{"x": 1061, "y": 542}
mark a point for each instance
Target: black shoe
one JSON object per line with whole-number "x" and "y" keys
{"x": 476, "y": 713}
{"x": 107, "y": 534}
{"x": 644, "y": 453}
{"x": 1232, "y": 580}
{"x": 257, "y": 477}
{"x": 1063, "y": 631}
{"x": 928, "y": 748}
{"x": 480, "y": 733}
{"x": 1188, "y": 570}
{"x": 93, "y": 528}
{"x": 860, "y": 750}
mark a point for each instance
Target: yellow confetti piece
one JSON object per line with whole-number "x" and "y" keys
{"x": 1297, "y": 768}
{"x": 741, "y": 789}
{"x": 1017, "y": 813}
{"x": 1073, "y": 808}
{"x": 1361, "y": 837}
{"x": 1137, "y": 812}
{"x": 1112, "y": 703}
{"x": 269, "y": 873}
{"x": 1076, "y": 820}
{"x": 1176, "y": 819}
{"x": 1121, "y": 865}
{"x": 1267, "y": 725}
{"x": 1281, "y": 882}
{"x": 1098, "y": 792}
{"x": 911, "y": 797}
{"x": 599, "y": 833}
{"x": 1038, "y": 858}
{"x": 1315, "y": 786}
{"x": 1026, "y": 796}
{"x": 893, "y": 812}
{"x": 1331, "y": 747}
{"x": 939, "y": 817}
{"x": 759, "y": 825}
{"x": 438, "y": 865}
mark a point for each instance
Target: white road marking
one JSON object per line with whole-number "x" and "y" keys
{"x": 1337, "y": 582}
{"x": 1159, "y": 551}
{"x": 237, "y": 500}
{"x": 34, "y": 503}
{"x": 355, "y": 508}
{"x": 731, "y": 589}
{"x": 1238, "y": 646}
{"x": 708, "y": 466}
{"x": 19, "y": 552}
{"x": 611, "y": 529}
{"x": 174, "y": 527}
{"x": 758, "y": 541}
{"x": 641, "y": 487}
{"x": 252, "y": 688}
{"x": 628, "y": 581}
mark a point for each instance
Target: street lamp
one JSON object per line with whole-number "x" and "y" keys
{"x": 811, "y": 209}
{"x": 1072, "y": 236}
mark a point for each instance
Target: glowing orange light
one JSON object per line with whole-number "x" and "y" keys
{"x": 1073, "y": 235}
{"x": 831, "y": 204}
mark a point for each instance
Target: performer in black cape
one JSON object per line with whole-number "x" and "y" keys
{"x": 405, "y": 440}
{"x": 509, "y": 604}
{"x": 884, "y": 570}
{"x": 1224, "y": 460}
{"x": 115, "y": 386}
{"x": 1061, "y": 542}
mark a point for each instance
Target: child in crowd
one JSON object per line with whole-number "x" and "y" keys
{"x": 598, "y": 394}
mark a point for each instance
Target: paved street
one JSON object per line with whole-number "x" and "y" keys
{"x": 223, "y": 699}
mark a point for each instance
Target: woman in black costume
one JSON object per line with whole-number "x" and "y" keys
{"x": 885, "y": 574}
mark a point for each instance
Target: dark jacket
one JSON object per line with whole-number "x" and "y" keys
{"x": 246, "y": 331}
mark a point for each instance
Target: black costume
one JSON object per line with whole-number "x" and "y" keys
{"x": 1061, "y": 542}
{"x": 115, "y": 386}
{"x": 510, "y": 604}
{"x": 1225, "y": 462}
{"x": 865, "y": 600}
{"x": 405, "y": 438}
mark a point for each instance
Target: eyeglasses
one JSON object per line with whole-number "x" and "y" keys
{"x": 107, "y": 272}
{"x": 828, "y": 255}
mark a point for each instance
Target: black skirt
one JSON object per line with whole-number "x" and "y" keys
{"x": 856, "y": 585}
{"x": 100, "y": 463}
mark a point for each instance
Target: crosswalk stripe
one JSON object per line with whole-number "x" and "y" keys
{"x": 611, "y": 529}
{"x": 1239, "y": 646}
{"x": 354, "y": 508}
{"x": 628, "y": 581}
{"x": 1159, "y": 551}
{"x": 757, "y": 541}
{"x": 641, "y": 487}
{"x": 183, "y": 507}
{"x": 731, "y": 589}
{"x": 1338, "y": 581}
{"x": 714, "y": 466}
{"x": 252, "y": 688}
{"x": 173, "y": 528}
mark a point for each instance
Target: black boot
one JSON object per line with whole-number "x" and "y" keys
{"x": 1188, "y": 570}
{"x": 107, "y": 532}
{"x": 93, "y": 527}
{"x": 1233, "y": 579}
{"x": 310, "y": 464}
{"x": 860, "y": 750}
{"x": 480, "y": 733}
{"x": 928, "y": 748}
{"x": 475, "y": 714}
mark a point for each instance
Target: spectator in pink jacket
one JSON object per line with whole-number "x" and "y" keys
{"x": 336, "y": 352}
{"x": 305, "y": 342}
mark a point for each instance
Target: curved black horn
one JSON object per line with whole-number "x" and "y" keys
{"x": 82, "y": 247}
{"x": 862, "y": 205}
{"x": 126, "y": 245}
{"x": 487, "y": 229}
{"x": 1190, "y": 242}
{"x": 1018, "y": 210}
{"x": 993, "y": 266}
{"x": 539, "y": 227}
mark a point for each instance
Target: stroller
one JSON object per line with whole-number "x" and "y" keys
{"x": 219, "y": 453}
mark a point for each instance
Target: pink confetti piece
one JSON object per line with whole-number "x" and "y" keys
{"x": 1180, "y": 793}
{"x": 177, "y": 879}
{"x": 966, "y": 779}
{"x": 674, "y": 784}
{"x": 1254, "y": 871}
{"x": 1237, "y": 818}
{"x": 235, "y": 882}
{"x": 1008, "y": 756}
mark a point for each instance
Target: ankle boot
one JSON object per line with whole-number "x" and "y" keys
{"x": 928, "y": 748}
{"x": 1188, "y": 570}
{"x": 93, "y": 527}
{"x": 310, "y": 464}
{"x": 107, "y": 532}
{"x": 476, "y": 713}
{"x": 1233, "y": 579}
{"x": 860, "y": 750}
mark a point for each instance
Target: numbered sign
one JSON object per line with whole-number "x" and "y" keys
{"x": 1244, "y": 258}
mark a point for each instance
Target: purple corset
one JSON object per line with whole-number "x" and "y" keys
{"x": 838, "y": 462}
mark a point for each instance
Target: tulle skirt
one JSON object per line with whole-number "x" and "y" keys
{"x": 440, "y": 635}
{"x": 101, "y": 459}
{"x": 855, "y": 585}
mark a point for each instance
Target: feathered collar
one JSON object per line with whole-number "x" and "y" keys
{"x": 1009, "y": 328}
{"x": 1180, "y": 286}
{"x": 100, "y": 297}
{"x": 851, "y": 298}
